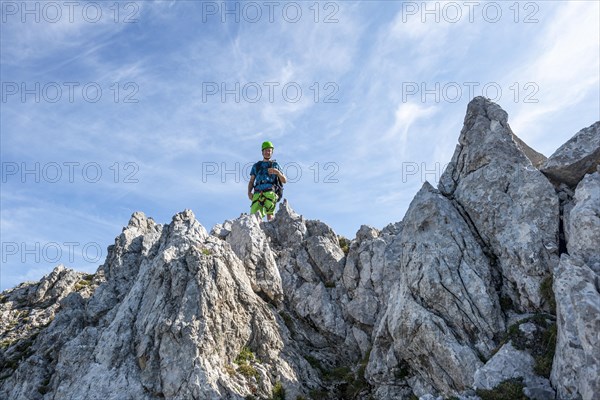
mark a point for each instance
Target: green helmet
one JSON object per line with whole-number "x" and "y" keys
{"x": 267, "y": 145}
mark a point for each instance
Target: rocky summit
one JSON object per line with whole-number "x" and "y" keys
{"x": 489, "y": 288}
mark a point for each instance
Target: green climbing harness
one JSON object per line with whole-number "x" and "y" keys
{"x": 263, "y": 202}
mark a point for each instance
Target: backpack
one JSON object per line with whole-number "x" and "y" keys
{"x": 277, "y": 185}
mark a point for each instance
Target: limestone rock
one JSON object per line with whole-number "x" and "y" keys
{"x": 250, "y": 244}
{"x": 577, "y": 291}
{"x": 580, "y": 155}
{"x": 512, "y": 207}
{"x": 445, "y": 311}
{"x": 511, "y": 363}
{"x": 372, "y": 267}
{"x": 176, "y": 311}
{"x": 289, "y": 228}
{"x": 30, "y": 307}
{"x": 311, "y": 262}
{"x": 583, "y": 234}
{"x": 222, "y": 230}
{"x": 577, "y": 359}
{"x": 536, "y": 159}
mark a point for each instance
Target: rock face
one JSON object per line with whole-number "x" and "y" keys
{"x": 510, "y": 363}
{"x": 513, "y": 208}
{"x": 577, "y": 359}
{"x": 29, "y": 308}
{"x": 452, "y": 301}
{"x": 250, "y": 244}
{"x": 445, "y": 312}
{"x": 577, "y": 288}
{"x": 577, "y": 157}
{"x": 175, "y": 312}
{"x": 583, "y": 237}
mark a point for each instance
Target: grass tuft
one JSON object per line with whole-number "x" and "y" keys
{"x": 547, "y": 293}
{"x": 246, "y": 355}
{"x": 248, "y": 371}
{"x": 278, "y": 392}
{"x": 511, "y": 389}
{"x": 344, "y": 244}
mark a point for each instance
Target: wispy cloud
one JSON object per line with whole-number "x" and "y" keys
{"x": 564, "y": 65}
{"x": 39, "y": 32}
{"x": 405, "y": 117}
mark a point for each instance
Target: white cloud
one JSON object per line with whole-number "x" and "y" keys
{"x": 406, "y": 115}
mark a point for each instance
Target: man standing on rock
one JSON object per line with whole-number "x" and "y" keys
{"x": 265, "y": 178}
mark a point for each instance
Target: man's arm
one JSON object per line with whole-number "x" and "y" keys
{"x": 277, "y": 171}
{"x": 250, "y": 186}
{"x": 281, "y": 176}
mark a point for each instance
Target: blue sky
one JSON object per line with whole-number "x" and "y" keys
{"x": 113, "y": 107}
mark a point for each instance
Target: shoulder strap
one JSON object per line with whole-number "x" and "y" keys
{"x": 260, "y": 168}
{"x": 277, "y": 180}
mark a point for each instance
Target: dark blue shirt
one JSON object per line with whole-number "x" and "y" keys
{"x": 262, "y": 179}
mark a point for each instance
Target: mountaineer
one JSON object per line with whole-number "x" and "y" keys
{"x": 265, "y": 188}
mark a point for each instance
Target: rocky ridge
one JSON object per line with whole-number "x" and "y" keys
{"x": 490, "y": 281}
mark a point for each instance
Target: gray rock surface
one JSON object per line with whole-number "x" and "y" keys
{"x": 311, "y": 264}
{"x": 512, "y": 207}
{"x": 445, "y": 311}
{"x": 509, "y": 363}
{"x": 372, "y": 267}
{"x": 222, "y": 230}
{"x": 576, "y": 285}
{"x": 580, "y": 155}
{"x": 28, "y": 309}
{"x": 576, "y": 366}
{"x": 250, "y": 244}
{"x": 174, "y": 314}
{"x": 536, "y": 159}
{"x": 37, "y": 303}
{"x": 583, "y": 235}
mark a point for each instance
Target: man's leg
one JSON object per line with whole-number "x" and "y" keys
{"x": 270, "y": 202}
{"x": 256, "y": 206}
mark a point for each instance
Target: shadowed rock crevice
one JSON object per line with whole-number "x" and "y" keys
{"x": 579, "y": 156}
